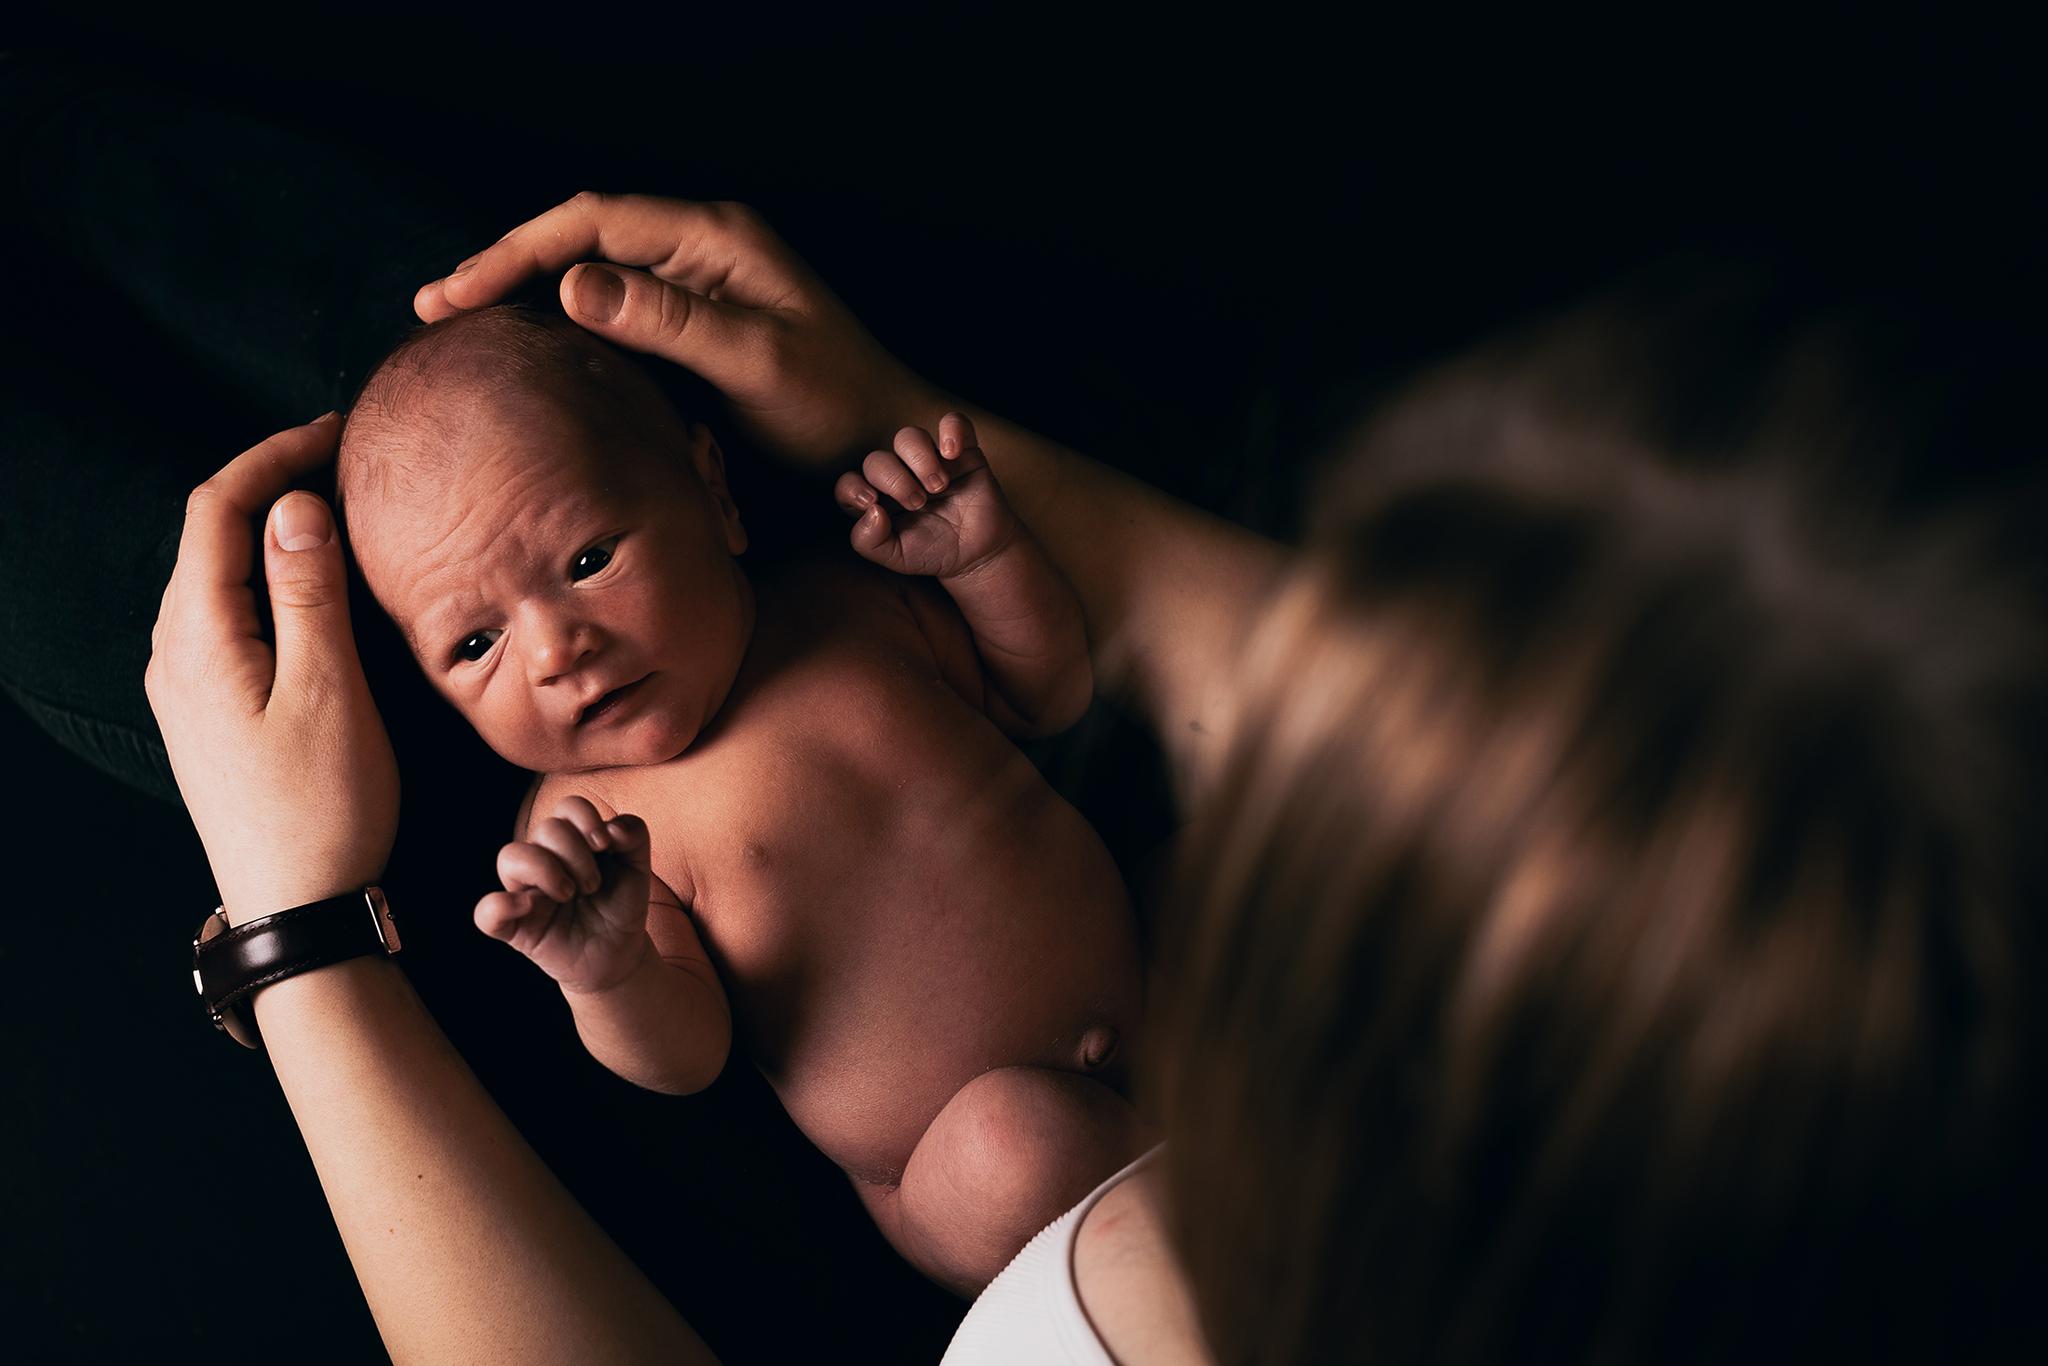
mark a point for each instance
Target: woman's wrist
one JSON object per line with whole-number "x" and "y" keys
{"x": 911, "y": 401}
{"x": 323, "y": 992}
{"x": 242, "y": 905}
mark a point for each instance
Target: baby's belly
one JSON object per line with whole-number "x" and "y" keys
{"x": 944, "y": 940}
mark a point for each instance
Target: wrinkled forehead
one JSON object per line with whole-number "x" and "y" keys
{"x": 423, "y": 518}
{"x": 442, "y": 544}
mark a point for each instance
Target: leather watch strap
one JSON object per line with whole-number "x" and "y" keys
{"x": 230, "y": 964}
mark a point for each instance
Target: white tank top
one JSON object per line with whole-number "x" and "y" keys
{"x": 1031, "y": 1314}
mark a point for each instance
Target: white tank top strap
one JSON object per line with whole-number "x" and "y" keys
{"x": 1031, "y": 1314}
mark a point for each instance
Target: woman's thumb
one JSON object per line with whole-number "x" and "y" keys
{"x": 308, "y": 588}
{"x": 646, "y": 313}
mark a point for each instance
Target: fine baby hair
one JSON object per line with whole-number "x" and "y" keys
{"x": 398, "y": 424}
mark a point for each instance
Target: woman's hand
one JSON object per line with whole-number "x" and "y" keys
{"x": 1165, "y": 589}
{"x": 278, "y": 751}
{"x": 714, "y": 290}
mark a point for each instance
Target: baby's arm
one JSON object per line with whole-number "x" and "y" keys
{"x": 956, "y": 526}
{"x": 666, "y": 1026}
{"x": 582, "y": 902}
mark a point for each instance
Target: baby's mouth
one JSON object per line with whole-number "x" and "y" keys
{"x": 607, "y": 702}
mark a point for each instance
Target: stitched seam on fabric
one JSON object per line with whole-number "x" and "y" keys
{"x": 109, "y": 746}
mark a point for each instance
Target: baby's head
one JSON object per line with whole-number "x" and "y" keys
{"x": 553, "y": 540}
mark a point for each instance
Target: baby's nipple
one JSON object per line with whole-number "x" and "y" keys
{"x": 1098, "y": 1045}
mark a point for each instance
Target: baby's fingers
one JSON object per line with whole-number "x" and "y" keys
{"x": 887, "y": 472}
{"x": 853, "y": 494}
{"x": 630, "y": 840}
{"x": 967, "y": 462}
{"x": 525, "y": 866}
{"x": 572, "y": 847}
{"x": 916, "y": 449}
{"x": 501, "y": 914}
{"x": 581, "y": 813}
{"x": 872, "y": 535}
{"x": 956, "y": 434}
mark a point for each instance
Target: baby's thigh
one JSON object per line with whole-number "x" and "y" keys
{"x": 1011, "y": 1151}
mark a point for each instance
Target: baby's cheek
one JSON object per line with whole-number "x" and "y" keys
{"x": 476, "y": 717}
{"x": 519, "y": 738}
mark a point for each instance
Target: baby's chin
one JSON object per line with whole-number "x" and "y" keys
{"x": 651, "y": 738}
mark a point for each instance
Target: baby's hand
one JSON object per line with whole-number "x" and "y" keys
{"x": 575, "y": 898}
{"x": 953, "y": 516}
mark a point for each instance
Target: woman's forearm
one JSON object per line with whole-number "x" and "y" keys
{"x": 466, "y": 1245}
{"x": 1167, "y": 589}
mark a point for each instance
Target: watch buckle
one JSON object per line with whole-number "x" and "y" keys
{"x": 380, "y": 915}
{"x": 231, "y": 1021}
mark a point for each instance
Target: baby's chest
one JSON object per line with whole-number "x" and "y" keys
{"x": 831, "y": 768}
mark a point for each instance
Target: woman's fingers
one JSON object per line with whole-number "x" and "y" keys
{"x": 701, "y": 307}
{"x": 273, "y": 749}
{"x": 726, "y": 344}
{"x": 308, "y": 587}
{"x": 215, "y": 550}
{"x": 713, "y": 289}
{"x": 430, "y": 302}
{"x": 717, "y": 249}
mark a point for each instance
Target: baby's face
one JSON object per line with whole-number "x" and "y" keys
{"x": 580, "y": 607}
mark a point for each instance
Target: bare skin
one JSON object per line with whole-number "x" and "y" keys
{"x": 466, "y": 1246}
{"x": 899, "y": 907}
{"x": 927, "y": 952}
{"x": 1165, "y": 588}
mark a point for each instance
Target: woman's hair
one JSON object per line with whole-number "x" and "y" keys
{"x": 1611, "y": 939}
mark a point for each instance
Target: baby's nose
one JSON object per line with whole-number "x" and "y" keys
{"x": 557, "y": 651}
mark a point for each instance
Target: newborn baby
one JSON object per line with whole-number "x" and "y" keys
{"x": 930, "y": 955}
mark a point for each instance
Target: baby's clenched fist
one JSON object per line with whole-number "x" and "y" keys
{"x": 575, "y": 898}
{"x": 950, "y": 514}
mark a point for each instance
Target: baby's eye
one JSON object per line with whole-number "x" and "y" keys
{"x": 593, "y": 559}
{"x": 476, "y": 646}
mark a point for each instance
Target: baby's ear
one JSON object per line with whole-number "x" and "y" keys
{"x": 709, "y": 463}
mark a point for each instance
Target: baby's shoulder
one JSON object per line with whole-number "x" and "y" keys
{"x": 655, "y": 792}
{"x": 824, "y": 579}
{"x": 851, "y": 601}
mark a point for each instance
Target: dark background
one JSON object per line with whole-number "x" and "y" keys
{"x": 1193, "y": 248}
